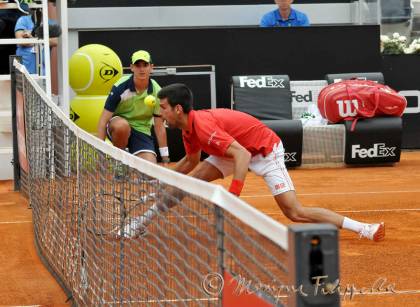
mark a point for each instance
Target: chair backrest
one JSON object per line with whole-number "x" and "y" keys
{"x": 373, "y": 76}
{"x": 266, "y": 97}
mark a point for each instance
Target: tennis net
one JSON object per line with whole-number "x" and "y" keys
{"x": 209, "y": 249}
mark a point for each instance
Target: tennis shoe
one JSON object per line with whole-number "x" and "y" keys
{"x": 374, "y": 232}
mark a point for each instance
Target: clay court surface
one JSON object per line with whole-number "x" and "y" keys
{"x": 372, "y": 194}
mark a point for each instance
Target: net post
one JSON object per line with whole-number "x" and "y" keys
{"x": 16, "y": 165}
{"x": 314, "y": 265}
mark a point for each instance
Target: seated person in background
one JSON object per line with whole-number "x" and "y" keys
{"x": 284, "y": 16}
{"x": 8, "y": 18}
{"x": 24, "y": 28}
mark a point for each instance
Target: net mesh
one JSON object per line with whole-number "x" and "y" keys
{"x": 84, "y": 192}
{"x": 322, "y": 144}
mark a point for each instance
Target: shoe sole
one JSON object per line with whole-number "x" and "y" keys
{"x": 380, "y": 233}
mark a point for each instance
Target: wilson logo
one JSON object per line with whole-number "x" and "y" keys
{"x": 377, "y": 151}
{"x": 347, "y": 108}
{"x": 263, "y": 82}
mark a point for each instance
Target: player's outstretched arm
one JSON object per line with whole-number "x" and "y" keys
{"x": 160, "y": 132}
{"x": 241, "y": 158}
{"x": 103, "y": 120}
{"x": 188, "y": 163}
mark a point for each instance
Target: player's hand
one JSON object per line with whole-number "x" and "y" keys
{"x": 27, "y": 34}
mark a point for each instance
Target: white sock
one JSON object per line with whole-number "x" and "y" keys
{"x": 150, "y": 214}
{"x": 352, "y": 225}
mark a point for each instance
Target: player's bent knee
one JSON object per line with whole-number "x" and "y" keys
{"x": 293, "y": 214}
{"x": 290, "y": 207}
{"x": 121, "y": 129}
{"x": 151, "y": 157}
{"x": 287, "y": 201}
{"x": 119, "y": 125}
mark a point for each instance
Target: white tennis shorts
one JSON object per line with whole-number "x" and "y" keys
{"x": 270, "y": 167}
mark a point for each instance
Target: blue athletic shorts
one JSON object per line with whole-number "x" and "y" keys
{"x": 138, "y": 142}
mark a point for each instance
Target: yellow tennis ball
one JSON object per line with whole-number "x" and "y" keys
{"x": 93, "y": 69}
{"x": 150, "y": 101}
{"x": 85, "y": 111}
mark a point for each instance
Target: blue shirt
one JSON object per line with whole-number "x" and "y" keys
{"x": 28, "y": 54}
{"x": 273, "y": 19}
{"x": 25, "y": 23}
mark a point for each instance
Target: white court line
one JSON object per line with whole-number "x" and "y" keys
{"x": 336, "y": 193}
{"x": 16, "y": 222}
{"x": 360, "y": 211}
{"x": 408, "y": 291}
{"x": 382, "y": 210}
{"x": 349, "y": 193}
{"x": 347, "y": 295}
{"x": 7, "y": 203}
{"x": 344, "y": 297}
{"x": 167, "y": 300}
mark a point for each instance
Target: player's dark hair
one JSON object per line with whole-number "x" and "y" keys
{"x": 178, "y": 93}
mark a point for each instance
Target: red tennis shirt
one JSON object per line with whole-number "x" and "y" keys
{"x": 214, "y": 130}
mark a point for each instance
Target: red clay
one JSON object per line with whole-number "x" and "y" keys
{"x": 373, "y": 194}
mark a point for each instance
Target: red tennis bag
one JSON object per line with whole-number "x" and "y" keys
{"x": 353, "y": 99}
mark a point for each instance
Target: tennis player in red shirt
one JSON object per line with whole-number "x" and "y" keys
{"x": 236, "y": 142}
